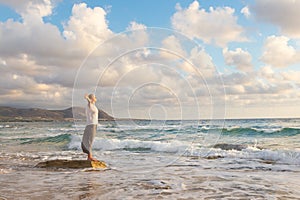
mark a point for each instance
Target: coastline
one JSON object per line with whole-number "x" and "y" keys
{"x": 11, "y": 114}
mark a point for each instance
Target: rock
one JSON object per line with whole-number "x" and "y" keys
{"x": 214, "y": 157}
{"x": 268, "y": 161}
{"x": 225, "y": 146}
{"x": 238, "y": 147}
{"x": 74, "y": 164}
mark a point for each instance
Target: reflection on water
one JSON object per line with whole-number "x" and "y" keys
{"x": 87, "y": 188}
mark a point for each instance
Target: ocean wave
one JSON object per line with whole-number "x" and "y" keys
{"x": 183, "y": 129}
{"x": 291, "y": 157}
{"x": 131, "y": 145}
{"x": 61, "y": 138}
{"x": 60, "y": 129}
{"x": 190, "y": 128}
{"x": 258, "y": 131}
{"x": 155, "y": 128}
{"x": 242, "y": 151}
{"x": 222, "y": 150}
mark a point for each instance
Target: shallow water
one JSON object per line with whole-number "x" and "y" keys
{"x": 155, "y": 160}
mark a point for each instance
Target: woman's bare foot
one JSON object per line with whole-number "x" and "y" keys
{"x": 90, "y": 158}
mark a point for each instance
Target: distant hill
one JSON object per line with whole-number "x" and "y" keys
{"x": 37, "y": 114}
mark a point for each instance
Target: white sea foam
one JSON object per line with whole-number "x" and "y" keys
{"x": 230, "y": 128}
{"x": 279, "y": 156}
{"x": 268, "y": 129}
{"x": 63, "y": 130}
{"x": 5, "y": 126}
{"x": 191, "y": 149}
{"x": 116, "y": 144}
{"x": 5, "y": 171}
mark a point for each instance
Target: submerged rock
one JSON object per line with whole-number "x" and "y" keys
{"x": 238, "y": 147}
{"x": 156, "y": 184}
{"x": 225, "y": 146}
{"x": 74, "y": 164}
{"x": 214, "y": 157}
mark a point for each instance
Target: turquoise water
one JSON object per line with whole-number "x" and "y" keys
{"x": 209, "y": 159}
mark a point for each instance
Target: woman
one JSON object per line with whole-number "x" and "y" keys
{"x": 91, "y": 126}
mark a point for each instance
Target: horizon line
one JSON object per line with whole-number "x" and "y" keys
{"x": 123, "y": 118}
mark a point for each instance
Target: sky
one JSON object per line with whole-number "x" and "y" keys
{"x": 153, "y": 59}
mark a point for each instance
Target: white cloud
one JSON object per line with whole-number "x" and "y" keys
{"x": 138, "y": 36}
{"x": 278, "y": 77}
{"x": 278, "y": 53}
{"x": 260, "y": 91}
{"x": 293, "y": 76}
{"x": 237, "y": 79}
{"x": 2, "y": 62}
{"x": 38, "y": 8}
{"x": 246, "y": 12}
{"x": 172, "y": 43}
{"x": 39, "y": 49}
{"x": 283, "y": 13}
{"x": 37, "y": 61}
{"x": 203, "y": 62}
{"x": 218, "y": 26}
{"x": 239, "y": 58}
{"x": 260, "y": 86}
{"x": 269, "y": 74}
{"x": 35, "y": 49}
{"x": 40, "y": 39}
{"x": 135, "y": 26}
{"x": 235, "y": 90}
{"x": 87, "y": 27}
{"x": 21, "y": 90}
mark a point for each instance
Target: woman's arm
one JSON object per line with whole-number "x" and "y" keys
{"x": 86, "y": 96}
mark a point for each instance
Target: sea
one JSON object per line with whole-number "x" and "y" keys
{"x": 154, "y": 159}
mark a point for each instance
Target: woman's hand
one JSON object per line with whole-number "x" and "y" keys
{"x": 86, "y": 96}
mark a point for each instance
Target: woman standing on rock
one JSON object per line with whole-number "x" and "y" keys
{"x": 91, "y": 126}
